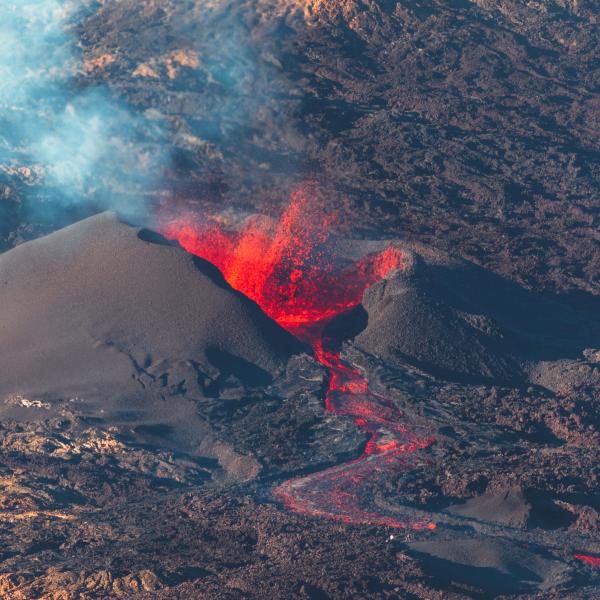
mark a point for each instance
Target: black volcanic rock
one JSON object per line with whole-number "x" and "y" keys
{"x": 468, "y": 125}
{"x": 471, "y": 127}
{"x": 100, "y": 307}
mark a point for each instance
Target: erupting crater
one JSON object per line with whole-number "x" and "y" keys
{"x": 290, "y": 268}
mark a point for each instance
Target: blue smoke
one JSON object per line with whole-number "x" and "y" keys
{"x": 72, "y": 145}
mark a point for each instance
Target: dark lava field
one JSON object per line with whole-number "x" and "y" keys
{"x": 300, "y": 299}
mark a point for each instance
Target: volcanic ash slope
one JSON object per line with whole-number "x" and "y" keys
{"x": 460, "y": 322}
{"x": 101, "y": 308}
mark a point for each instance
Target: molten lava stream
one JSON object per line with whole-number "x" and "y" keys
{"x": 289, "y": 268}
{"x": 334, "y": 492}
{"x": 590, "y": 560}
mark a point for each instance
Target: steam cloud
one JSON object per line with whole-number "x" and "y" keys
{"x": 76, "y": 143}
{"x": 70, "y": 147}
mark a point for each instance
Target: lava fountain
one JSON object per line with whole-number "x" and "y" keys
{"x": 289, "y": 267}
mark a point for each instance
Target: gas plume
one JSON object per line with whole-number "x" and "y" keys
{"x": 76, "y": 144}
{"x": 69, "y": 140}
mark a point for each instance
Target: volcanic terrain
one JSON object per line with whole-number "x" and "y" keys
{"x": 344, "y": 344}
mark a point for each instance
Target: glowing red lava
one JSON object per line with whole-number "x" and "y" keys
{"x": 590, "y": 560}
{"x": 289, "y": 267}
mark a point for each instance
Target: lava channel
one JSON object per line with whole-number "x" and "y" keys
{"x": 290, "y": 269}
{"x": 590, "y": 560}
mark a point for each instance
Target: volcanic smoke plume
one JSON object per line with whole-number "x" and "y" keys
{"x": 72, "y": 146}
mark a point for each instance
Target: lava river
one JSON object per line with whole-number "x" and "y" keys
{"x": 289, "y": 267}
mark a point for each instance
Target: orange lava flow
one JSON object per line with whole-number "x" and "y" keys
{"x": 333, "y": 492}
{"x": 590, "y": 560}
{"x": 289, "y": 267}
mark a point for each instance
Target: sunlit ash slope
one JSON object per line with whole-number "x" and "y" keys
{"x": 97, "y": 307}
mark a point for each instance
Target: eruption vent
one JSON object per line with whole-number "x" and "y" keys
{"x": 290, "y": 268}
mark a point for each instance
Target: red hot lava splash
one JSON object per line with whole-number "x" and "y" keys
{"x": 290, "y": 269}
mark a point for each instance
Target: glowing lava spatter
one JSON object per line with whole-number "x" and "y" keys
{"x": 289, "y": 267}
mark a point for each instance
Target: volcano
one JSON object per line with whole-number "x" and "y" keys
{"x": 457, "y": 321}
{"x": 338, "y": 335}
{"x": 396, "y": 302}
{"x": 121, "y": 326}
{"x": 123, "y": 349}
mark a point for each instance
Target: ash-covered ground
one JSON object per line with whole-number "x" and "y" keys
{"x": 148, "y": 411}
